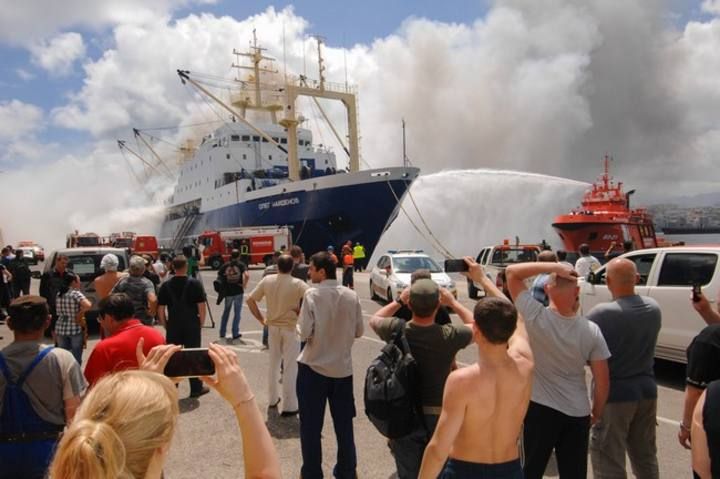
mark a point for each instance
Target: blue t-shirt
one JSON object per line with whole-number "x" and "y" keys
{"x": 630, "y": 325}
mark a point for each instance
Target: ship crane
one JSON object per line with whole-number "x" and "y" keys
{"x": 292, "y": 91}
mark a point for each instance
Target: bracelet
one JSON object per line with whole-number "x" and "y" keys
{"x": 683, "y": 427}
{"x": 243, "y": 401}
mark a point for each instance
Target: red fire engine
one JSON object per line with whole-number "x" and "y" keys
{"x": 256, "y": 244}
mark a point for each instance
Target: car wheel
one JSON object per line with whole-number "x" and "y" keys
{"x": 389, "y": 295}
{"x": 215, "y": 263}
{"x": 373, "y": 294}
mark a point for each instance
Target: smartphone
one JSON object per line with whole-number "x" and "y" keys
{"x": 696, "y": 292}
{"x": 455, "y": 265}
{"x": 191, "y": 362}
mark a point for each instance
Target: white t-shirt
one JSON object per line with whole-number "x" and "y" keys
{"x": 585, "y": 264}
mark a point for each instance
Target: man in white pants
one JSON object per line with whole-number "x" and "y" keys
{"x": 283, "y": 295}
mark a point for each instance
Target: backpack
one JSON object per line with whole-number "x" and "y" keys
{"x": 233, "y": 275}
{"x": 392, "y": 402}
{"x": 27, "y": 441}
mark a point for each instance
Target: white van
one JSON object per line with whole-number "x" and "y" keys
{"x": 667, "y": 275}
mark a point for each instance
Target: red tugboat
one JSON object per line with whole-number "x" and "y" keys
{"x": 605, "y": 217}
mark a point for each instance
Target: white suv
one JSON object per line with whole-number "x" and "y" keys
{"x": 667, "y": 275}
{"x": 392, "y": 273}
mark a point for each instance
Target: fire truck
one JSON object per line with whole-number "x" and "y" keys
{"x": 255, "y": 243}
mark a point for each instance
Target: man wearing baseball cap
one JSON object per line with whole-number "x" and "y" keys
{"x": 434, "y": 347}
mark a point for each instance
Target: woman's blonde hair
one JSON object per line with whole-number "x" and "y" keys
{"x": 124, "y": 419}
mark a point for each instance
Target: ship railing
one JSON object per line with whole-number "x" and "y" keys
{"x": 329, "y": 86}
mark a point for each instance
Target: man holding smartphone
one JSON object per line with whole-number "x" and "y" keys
{"x": 185, "y": 301}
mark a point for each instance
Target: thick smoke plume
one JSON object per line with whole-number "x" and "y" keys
{"x": 547, "y": 86}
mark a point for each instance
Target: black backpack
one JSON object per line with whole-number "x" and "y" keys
{"x": 392, "y": 401}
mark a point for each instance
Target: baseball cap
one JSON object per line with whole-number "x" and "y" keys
{"x": 424, "y": 294}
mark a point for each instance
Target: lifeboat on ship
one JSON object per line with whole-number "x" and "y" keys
{"x": 605, "y": 217}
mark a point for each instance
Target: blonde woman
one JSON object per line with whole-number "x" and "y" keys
{"x": 125, "y": 425}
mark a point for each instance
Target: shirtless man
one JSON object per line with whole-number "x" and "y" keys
{"x": 105, "y": 282}
{"x": 484, "y": 405}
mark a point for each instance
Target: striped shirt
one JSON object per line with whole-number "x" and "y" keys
{"x": 67, "y": 307}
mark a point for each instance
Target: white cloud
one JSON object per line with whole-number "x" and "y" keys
{"x": 711, "y": 6}
{"x": 58, "y": 55}
{"x": 24, "y": 74}
{"x": 25, "y": 22}
{"x": 18, "y": 119}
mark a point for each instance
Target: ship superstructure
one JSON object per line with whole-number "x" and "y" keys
{"x": 605, "y": 217}
{"x": 262, "y": 168}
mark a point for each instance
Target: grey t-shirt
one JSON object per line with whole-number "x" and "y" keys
{"x": 56, "y": 378}
{"x": 138, "y": 288}
{"x": 562, "y": 347}
{"x": 630, "y": 325}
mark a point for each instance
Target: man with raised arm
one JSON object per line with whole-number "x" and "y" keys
{"x": 484, "y": 405}
{"x": 559, "y": 415}
{"x": 434, "y": 347}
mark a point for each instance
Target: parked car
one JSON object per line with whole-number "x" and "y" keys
{"x": 392, "y": 273}
{"x": 496, "y": 258}
{"x": 85, "y": 262}
{"x": 667, "y": 275}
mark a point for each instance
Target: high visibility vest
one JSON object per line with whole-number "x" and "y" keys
{"x": 358, "y": 251}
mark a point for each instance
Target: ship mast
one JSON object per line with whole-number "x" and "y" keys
{"x": 325, "y": 90}
{"x": 292, "y": 89}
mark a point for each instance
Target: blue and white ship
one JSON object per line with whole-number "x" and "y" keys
{"x": 261, "y": 168}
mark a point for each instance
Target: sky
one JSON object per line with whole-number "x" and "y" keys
{"x": 543, "y": 86}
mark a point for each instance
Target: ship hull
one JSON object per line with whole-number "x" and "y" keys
{"x": 321, "y": 212}
{"x": 598, "y": 234}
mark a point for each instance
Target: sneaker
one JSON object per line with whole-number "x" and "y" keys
{"x": 200, "y": 392}
{"x": 238, "y": 336}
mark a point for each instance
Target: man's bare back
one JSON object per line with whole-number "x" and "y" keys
{"x": 484, "y": 405}
{"x": 494, "y": 398}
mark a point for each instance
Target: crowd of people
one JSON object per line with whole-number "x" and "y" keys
{"x": 524, "y": 398}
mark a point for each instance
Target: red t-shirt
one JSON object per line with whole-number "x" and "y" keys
{"x": 117, "y": 352}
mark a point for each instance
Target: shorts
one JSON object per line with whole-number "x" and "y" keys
{"x": 455, "y": 469}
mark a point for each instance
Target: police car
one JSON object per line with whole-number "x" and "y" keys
{"x": 391, "y": 274}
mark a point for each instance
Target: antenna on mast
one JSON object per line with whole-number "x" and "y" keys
{"x": 405, "y": 158}
{"x": 321, "y": 65}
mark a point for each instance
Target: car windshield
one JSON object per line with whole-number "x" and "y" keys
{"x": 87, "y": 266}
{"x": 410, "y": 264}
{"x": 513, "y": 255}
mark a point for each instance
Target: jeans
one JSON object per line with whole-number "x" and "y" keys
{"x": 73, "y": 343}
{"x": 625, "y": 427}
{"x": 408, "y": 451}
{"x": 546, "y": 429}
{"x": 231, "y": 302}
{"x": 284, "y": 347}
{"x": 314, "y": 391}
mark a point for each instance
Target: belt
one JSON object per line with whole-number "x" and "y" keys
{"x": 23, "y": 437}
{"x": 434, "y": 410}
